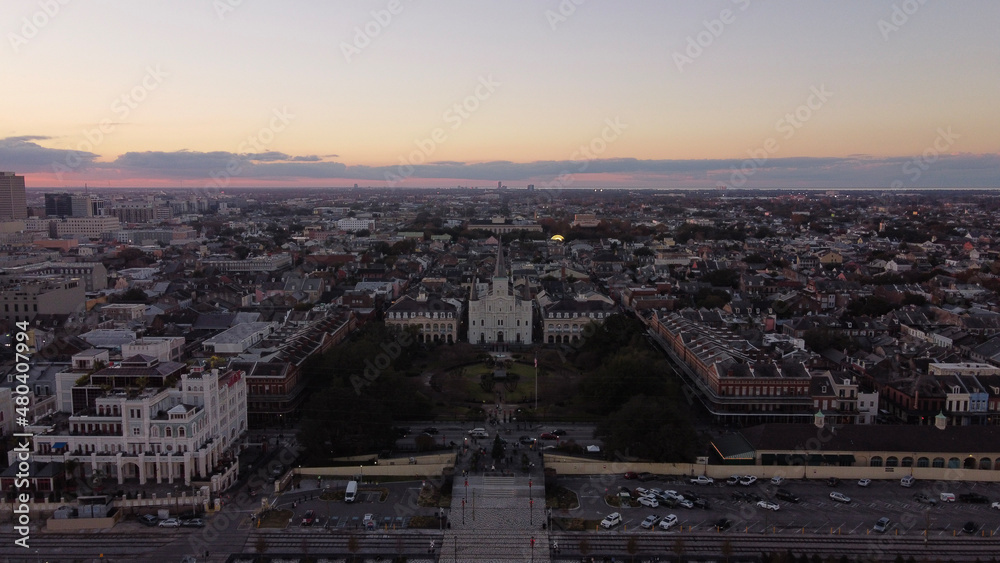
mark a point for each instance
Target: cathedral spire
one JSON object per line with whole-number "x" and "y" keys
{"x": 501, "y": 267}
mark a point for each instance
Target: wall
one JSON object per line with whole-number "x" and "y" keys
{"x": 565, "y": 465}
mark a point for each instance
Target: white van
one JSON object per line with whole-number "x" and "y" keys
{"x": 947, "y": 497}
{"x": 907, "y": 481}
{"x": 351, "y": 491}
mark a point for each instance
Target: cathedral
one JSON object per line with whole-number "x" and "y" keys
{"x": 499, "y": 315}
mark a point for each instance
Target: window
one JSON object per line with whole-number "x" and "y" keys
{"x": 954, "y": 463}
{"x": 892, "y": 461}
{"x": 907, "y": 462}
{"x": 923, "y": 462}
{"x": 876, "y": 461}
{"x": 135, "y": 431}
{"x": 938, "y": 462}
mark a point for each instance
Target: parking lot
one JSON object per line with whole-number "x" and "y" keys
{"x": 815, "y": 513}
{"x": 393, "y": 513}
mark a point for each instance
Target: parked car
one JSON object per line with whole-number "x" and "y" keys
{"x": 733, "y": 480}
{"x": 628, "y": 474}
{"x": 368, "y": 522}
{"x": 669, "y": 521}
{"x": 777, "y": 480}
{"x": 685, "y": 503}
{"x": 548, "y": 436}
{"x": 479, "y": 433}
{"x": 650, "y": 521}
{"x": 308, "y": 518}
{"x": 723, "y": 524}
{"x": 768, "y": 505}
{"x": 701, "y": 503}
{"x": 840, "y": 497}
{"x": 526, "y": 440}
{"x": 702, "y": 480}
{"x": 882, "y": 525}
{"x": 907, "y": 481}
{"x": 611, "y": 520}
{"x": 995, "y": 505}
{"x": 193, "y": 523}
{"x": 924, "y": 499}
{"x": 786, "y": 495}
{"x": 649, "y": 502}
{"x": 747, "y": 480}
{"x": 975, "y": 498}
{"x": 970, "y": 527}
{"x": 148, "y": 520}
{"x": 170, "y": 523}
{"x": 646, "y": 476}
{"x": 864, "y": 482}
{"x": 947, "y": 497}
{"x": 832, "y": 482}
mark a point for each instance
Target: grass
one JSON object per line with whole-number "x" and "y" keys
{"x": 575, "y": 524}
{"x": 425, "y": 522}
{"x": 562, "y": 498}
{"x": 432, "y": 496}
{"x": 276, "y": 519}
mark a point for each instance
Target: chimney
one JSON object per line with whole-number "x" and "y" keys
{"x": 940, "y": 421}
{"x": 819, "y": 419}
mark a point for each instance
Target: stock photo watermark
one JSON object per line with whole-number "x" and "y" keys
{"x": 787, "y": 126}
{"x": 916, "y": 167}
{"x": 696, "y": 44}
{"x": 121, "y": 109}
{"x": 899, "y": 17}
{"x": 564, "y": 10}
{"x": 32, "y": 25}
{"x": 456, "y": 115}
{"x": 365, "y": 34}
{"x": 280, "y": 119}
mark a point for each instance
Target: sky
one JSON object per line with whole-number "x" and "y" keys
{"x": 556, "y": 93}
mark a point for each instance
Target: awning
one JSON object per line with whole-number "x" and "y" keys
{"x": 847, "y": 460}
{"x": 59, "y": 445}
{"x": 831, "y": 459}
{"x": 768, "y": 459}
{"x": 815, "y": 459}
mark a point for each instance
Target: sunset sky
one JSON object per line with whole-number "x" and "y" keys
{"x": 742, "y": 93}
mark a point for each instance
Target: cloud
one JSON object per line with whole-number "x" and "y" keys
{"x": 21, "y": 154}
{"x": 951, "y": 170}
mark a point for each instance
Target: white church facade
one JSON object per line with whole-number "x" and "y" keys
{"x": 499, "y": 315}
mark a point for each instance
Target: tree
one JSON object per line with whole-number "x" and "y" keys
{"x": 261, "y": 546}
{"x": 498, "y": 448}
{"x": 632, "y": 546}
{"x": 645, "y": 427}
{"x": 679, "y": 548}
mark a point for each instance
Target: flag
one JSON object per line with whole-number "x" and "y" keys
{"x": 536, "y": 362}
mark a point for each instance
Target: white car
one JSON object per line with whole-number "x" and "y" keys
{"x": 839, "y": 497}
{"x": 650, "y": 521}
{"x": 702, "y": 480}
{"x": 170, "y": 523}
{"x": 777, "y": 480}
{"x": 479, "y": 433}
{"x": 649, "y": 502}
{"x": 641, "y": 492}
{"x": 767, "y": 505}
{"x": 668, "y": 522}
{"x": 995, "y": 505}
{"x": 864, "y": 482}
{"x": 685, "y": 503}
{"x": 747, "y": 480}
{"x": 611, "y": 520}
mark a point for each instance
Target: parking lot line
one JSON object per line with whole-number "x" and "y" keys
{"x": 856, "y": 528}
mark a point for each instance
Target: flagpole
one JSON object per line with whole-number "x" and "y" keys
{"x": 536, "y": 383}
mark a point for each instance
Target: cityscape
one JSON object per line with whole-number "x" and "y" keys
{"x": 562, "y": 281}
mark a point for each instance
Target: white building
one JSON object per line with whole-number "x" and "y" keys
{"x": 185, "y": 432}
{"x": 352, "y": 224}
{"x": 163, "y": 348}
{"x": 499, "y": 315}
{"x": 240, "y": 338}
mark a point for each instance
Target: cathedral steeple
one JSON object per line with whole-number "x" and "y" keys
{"x": 500, "y": 281}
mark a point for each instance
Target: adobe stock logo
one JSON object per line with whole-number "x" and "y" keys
{"x": 31, "y": 26}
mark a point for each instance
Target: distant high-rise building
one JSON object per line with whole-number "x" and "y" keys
{"x": 58, "y": 205}
{"x": 68, "y": 205}
{"x": 13, "y": 204}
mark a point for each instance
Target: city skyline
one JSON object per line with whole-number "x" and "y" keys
{"x": 570, "y": 93}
